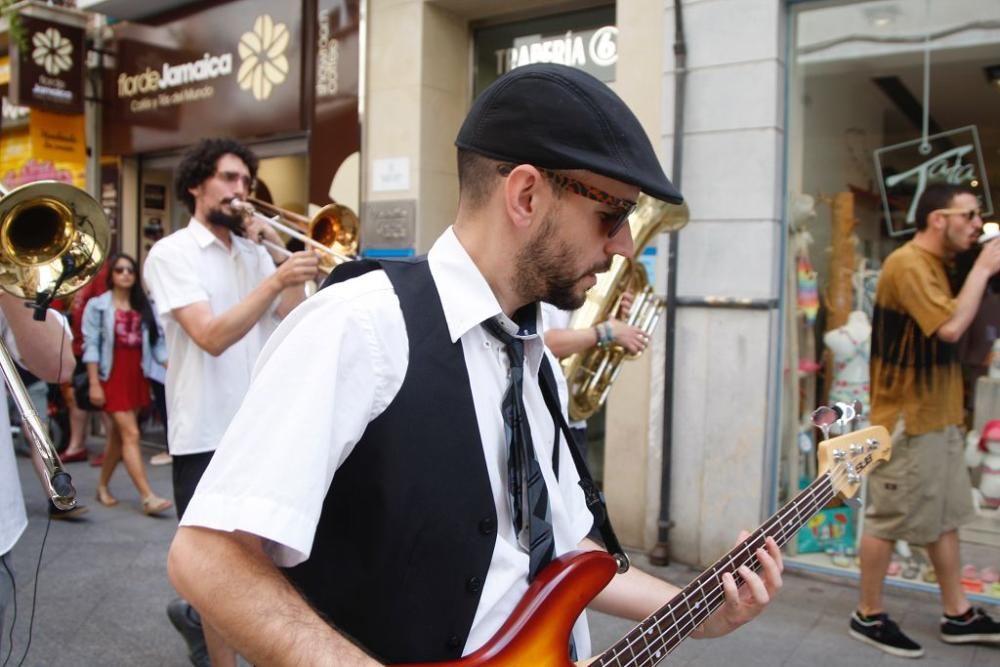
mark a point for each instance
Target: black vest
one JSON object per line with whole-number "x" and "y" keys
{"x": 408, "y": 527}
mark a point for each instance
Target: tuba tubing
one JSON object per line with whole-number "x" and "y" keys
{"x": 590, "y": 374}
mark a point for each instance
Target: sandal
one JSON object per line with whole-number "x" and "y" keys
{"x": 154, "y": 505}
{"x": 105, "y": 498}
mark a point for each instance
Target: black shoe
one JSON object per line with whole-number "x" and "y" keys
{"x": 185, "y": 619}
{"x": 882, "y": 632}
{"x": 974, "y": 626}
{"x": 74, "y": 514}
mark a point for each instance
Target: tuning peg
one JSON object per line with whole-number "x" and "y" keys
{"x": 845, "y": 413}
{"x": 823, "y": 418}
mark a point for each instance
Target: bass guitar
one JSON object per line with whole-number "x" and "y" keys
{"x": 537, "y": 632}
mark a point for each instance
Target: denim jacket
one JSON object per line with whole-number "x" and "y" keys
{"x": 99, "y": 338}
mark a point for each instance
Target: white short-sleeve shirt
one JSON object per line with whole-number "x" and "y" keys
{"x": 335, "y": 364}
{"x": 204, "y": 392}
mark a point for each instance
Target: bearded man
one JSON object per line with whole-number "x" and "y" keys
{"x": 923, "y": 494}
{"x": 421, "y": 482}
{"x": 219, "y": 296}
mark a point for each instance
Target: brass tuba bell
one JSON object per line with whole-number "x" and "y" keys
{"x": 590, "y": 374}
{"x": 53, "y": 239}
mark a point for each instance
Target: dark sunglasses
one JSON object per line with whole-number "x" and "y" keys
{"x": 622, "y": 207}
{"x": 967, "y": 213}
{"x": 123, "y": 269}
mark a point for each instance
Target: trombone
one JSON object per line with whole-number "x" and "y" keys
{"x": 333, "y": 230}
{"x": 53, "y": 239}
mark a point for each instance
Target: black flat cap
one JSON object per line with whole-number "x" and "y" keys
{"x": 558, "y": 117}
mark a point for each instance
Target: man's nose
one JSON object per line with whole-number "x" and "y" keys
{"x": 621, "y": 243}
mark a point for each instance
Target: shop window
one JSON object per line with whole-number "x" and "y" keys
{"x": 884, "y": 98}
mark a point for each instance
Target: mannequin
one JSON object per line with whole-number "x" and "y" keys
{"x": 850, "y": 347}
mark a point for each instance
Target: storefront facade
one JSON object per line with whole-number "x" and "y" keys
{"x": 884, "y": 98}
{"x": 778, "y": 100}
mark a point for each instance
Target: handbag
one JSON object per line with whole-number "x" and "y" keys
{"x": 81, "y": 393}
{"x": 81, "y": 382}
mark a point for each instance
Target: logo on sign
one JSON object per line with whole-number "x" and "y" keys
{"x": 905, "y": 170}
{"x": 263, "y": 52}
{"x": 581, "y": 49}
{"x": 52, "y": 51}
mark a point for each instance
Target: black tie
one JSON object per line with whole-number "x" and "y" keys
{"x": 525, "y": 483}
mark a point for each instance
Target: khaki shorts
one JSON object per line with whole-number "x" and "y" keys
{"x": 923, "y": 491}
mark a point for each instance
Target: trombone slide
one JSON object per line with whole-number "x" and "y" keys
{"x": 56, "y": 481}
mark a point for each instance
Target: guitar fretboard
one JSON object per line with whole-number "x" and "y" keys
{"x": 658, "y": 635}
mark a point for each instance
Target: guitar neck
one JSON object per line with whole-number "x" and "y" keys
{"x": 659, "y": 634}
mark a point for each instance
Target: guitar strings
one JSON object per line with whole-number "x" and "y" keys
{"x": 706, "y": 605}
{"x": 690, "y": 620}
{"x": 814, "y": 497}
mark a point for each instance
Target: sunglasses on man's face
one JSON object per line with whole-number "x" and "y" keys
{"x": 616, "y": 219}
{"x": 967, "y": 213}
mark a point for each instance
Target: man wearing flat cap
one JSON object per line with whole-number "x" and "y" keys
{"x": 422, "y": 478}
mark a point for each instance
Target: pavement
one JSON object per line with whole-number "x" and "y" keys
{"x": 101, "y": 594}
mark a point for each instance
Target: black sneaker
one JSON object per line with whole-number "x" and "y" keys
{"x": 974, "y": 626}
{"x": 187, "y": 622}
{"x": 882, "y": 632}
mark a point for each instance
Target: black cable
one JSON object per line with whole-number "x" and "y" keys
{"x": 41, "y": 550}
{"x": 34, "y": 593}
{"x": 13, "y": 589}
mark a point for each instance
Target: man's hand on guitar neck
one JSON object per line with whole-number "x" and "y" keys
{"x": 636, "y": 594}
{"x": 746, "y": 602}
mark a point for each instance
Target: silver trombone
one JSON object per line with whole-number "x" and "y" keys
{"x": 53, "y": 239}
{"x": 333, "y": 230}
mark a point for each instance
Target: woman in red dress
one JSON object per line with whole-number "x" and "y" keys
{"x": 120, "y": 337}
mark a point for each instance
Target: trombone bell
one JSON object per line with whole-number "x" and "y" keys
{"x": 53, "y": 239}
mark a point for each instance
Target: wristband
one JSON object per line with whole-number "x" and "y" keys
{"x": 604, "y": 334}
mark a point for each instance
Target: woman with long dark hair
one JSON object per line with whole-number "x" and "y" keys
{"x": 120, "y": 340}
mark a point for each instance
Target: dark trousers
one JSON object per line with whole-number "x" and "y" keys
{"x": 188, "y": 469}
{"x": 160, "y": 402}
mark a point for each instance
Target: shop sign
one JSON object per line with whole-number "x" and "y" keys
{"x": 595, "y": 51}
{"x": 232, "y": 70}
{"x": 335, "y": 129}
{"x": 904, "y": 172}
{"x": 12, "y": 114}
{"x": 20, "y": 165}
{"x": 57, "y": 137}
{"x": 586, "y": 39}
{"x": 48, "y": 73}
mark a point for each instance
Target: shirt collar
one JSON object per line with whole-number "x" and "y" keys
{"x": 467, "y": 299}
{"x": 204, "y": 237}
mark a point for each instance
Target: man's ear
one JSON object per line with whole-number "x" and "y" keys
{"x": 935, "y": 219}
{"x": 525, "y": 195}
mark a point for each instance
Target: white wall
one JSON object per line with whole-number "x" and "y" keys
{"x": 732, "y": 180}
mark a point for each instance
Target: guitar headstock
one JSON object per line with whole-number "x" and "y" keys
{"x": 850, "y": 456}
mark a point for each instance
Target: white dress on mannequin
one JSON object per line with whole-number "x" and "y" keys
{"x": 850, "y": 346}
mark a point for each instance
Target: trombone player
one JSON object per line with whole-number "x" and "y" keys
{"x": 219, "y": 295}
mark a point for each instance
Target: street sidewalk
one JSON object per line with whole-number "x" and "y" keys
{"x": 103, "y": 590}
